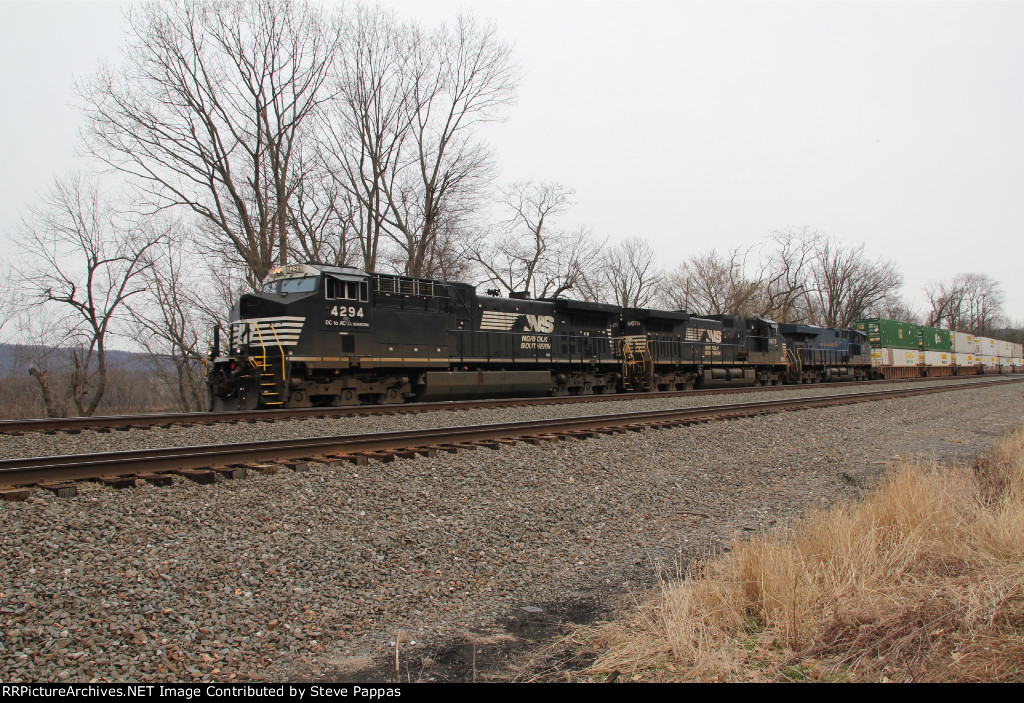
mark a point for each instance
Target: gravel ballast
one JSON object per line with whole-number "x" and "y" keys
{"x": 291, "y": 575}
{"x": 41, "y": 444}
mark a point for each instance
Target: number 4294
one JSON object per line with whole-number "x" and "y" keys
{"x": 342, "y": 311}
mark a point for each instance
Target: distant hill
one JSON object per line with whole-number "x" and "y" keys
{"x": 15, "y": 358}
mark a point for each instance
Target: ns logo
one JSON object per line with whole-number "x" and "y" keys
{"x": 542, "y": 324}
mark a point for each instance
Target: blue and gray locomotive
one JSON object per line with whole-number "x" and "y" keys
{"x": 318, "y": 335}
{"x": 822, "y": 354}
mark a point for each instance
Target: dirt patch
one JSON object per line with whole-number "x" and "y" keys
{"x": 528, "y": 644}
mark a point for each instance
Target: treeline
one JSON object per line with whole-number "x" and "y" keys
{"x": 239, "y": 135}
{"x": 134, "y": 385}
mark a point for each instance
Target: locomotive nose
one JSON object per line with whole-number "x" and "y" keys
{"x": 253, "y": 305}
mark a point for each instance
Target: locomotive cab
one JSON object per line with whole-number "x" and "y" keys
{"x": 276, "y": 335}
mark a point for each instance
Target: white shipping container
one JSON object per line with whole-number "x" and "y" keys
{"x": 967, "y": 360}
{"x": 905, "y": 357}
{"x": 938, "y": 358}
{"x": 881, "y": 357}
{"x": 990, "y": 361}
{"x": 964, "y": 343}
{"x": 1018, "y": 350}
{"x": 1004, "y": 349}
{"x": 986, "y": 346}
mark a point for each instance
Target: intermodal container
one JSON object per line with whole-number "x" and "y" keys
{"x": 1004, "y": 349}
{"x": 889, "y": 333}
{"x": 938, "y": 358}
{"x": 964, "y": 359}
{"x": 964, "y": 343}
{"x": 905, "y": 357}
{"x": 935, "y": 339}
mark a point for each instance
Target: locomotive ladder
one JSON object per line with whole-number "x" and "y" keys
{"x": 636, "y": 362}
{"x": 794, "y": 361}
{"x": 270, "y": 387}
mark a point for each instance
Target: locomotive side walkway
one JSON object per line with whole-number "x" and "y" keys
{"x": 313, "y": 575}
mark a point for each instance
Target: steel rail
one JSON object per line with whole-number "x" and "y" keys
{"x": 148, "y": 420}
{"x": 25, "y": 471}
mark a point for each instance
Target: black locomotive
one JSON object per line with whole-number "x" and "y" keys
{"x": 325, "y": 335}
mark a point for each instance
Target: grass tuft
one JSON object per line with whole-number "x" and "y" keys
{"x": 923, "y": 580}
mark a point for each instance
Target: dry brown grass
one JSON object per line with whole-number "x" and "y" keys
{"x": 923, "y": 580}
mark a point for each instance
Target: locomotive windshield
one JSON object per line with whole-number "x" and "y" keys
{"x": 290, "y": 285}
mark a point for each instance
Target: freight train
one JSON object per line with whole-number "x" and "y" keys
{"x": 904, "y": 350}
{"x": 318, "y": 335}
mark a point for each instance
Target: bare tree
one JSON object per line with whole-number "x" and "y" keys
{"x": 8, "y": 295}
{"x": 461, "y": 77}
{"x": 893, "y": 307}
{"x": 631, "y": 273}
{"x": 785, "y": 273}
{"x": 846, "y": 283}
{"x": 43, "y": 350}
{"x": 970, "y": 302}
{"x": 82, "y": 260}
{"x": 401, "y": 135}
{"x": 713, "y": 284}
{"x": 535, "y": 255}
{"x": 323, "y": 216}
{"x": 207, "y": 110}
{"x": 170, "y": 322}
{"x": 366, "y": 127}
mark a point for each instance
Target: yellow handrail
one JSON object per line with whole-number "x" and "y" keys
{"x": 263, "y": 347}
{"x": 280, "y": 347}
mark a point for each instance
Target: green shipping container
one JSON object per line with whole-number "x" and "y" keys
{"x": 934, "y": 339}
{"x": 889, "y": 333}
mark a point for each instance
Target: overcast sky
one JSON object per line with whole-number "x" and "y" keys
{"x": 696, "y": 125}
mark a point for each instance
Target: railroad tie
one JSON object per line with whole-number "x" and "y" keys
{"x": 385, "y": 456}
{"x": 230, "y": 472}
{"x": 336, "y": 460}
{"x": 156, "y": 479}
{"x": 118, "y": 482}
{"x": 8, "y": 493}
{"x": 198, "y": 475}
{"x": 539, "y": 439}
{"x": 462, "y": 445}
{"x": 495, "y": 444}
{"x": 61, "y": 490}
{"x": 267, "y": 469}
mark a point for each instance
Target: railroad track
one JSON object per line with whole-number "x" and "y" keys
{"x": 203, "y": 464}
{"x": 110, "y": 423}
